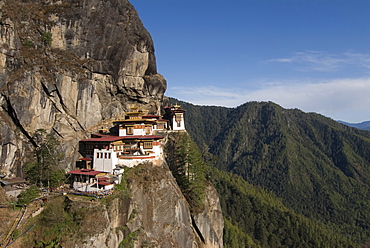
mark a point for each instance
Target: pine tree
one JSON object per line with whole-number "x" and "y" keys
{"x": 188, "y": 167}
{"x": 44, "y": 168}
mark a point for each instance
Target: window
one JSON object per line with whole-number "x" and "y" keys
{"x": 160, "y": 125}
{"x": 148, "y": 145}
{"x": 178, "y": 119}
{"x": 130, "y": 130}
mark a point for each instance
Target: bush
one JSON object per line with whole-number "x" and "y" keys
{"x": 28, "y": 43}
{"x": 47, "y": 38}
{"x": 27, "y": 196}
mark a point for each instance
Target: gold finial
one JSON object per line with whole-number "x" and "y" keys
{"x": 176, "y": 105}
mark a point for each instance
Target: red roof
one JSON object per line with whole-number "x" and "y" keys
{"x": 85, "y": 159}
{"x": 142, "y": 137}
{"x": 104, "y": 183}
{"x": 103, "y": 178}
{"x": 99, "y": 135}
{"x": 105, "y": 138}
{"x": 135, "y": 121}
{"x": 85, "y": 172}
{"x": 116, "y": 138}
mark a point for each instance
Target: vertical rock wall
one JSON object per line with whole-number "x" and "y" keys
{"x": 156, "y": 214}
{"x": 69, "y": 67}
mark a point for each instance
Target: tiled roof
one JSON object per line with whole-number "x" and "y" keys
{"x": 85, "y": 159}
{"x": 104, "y": 183}
{"x": 85, "y": 172}
{"x": 116, "y": 138}
{"x": 142, "y": 137}
{"x": 105, "y": 138}
{"x": 103, "y": 178}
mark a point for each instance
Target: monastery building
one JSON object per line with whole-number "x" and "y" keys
{"x": 131, "y": 141}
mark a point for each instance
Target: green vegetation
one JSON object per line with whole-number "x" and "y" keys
{"x": 318, "y": 167}
{"x": 234, "y": 237}
{"x": 44, "y": 169}
{"x": 28, "y": 43}
{"x": 27, "y": 196}
{"x": 128, "y": 241}
{"x": 47, "y": 38}
{"x": 63, "y": 221}
{"x": 54, "y": 225}
{"x": 188, "y": 167}
{"x": 255, "y": 218}
{"x": 123, "y": 188}
{"x": 16, "y": 234}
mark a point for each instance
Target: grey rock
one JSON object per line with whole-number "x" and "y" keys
{"x": 158, "y": 214}
{"x": 99, "y": 62}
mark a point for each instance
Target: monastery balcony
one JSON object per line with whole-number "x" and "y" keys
{"x": 141, "y": 156}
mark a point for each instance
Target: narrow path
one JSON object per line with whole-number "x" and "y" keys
{"x": 16, "y": 223}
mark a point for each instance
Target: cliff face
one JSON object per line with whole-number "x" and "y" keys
{"x": 160, "y": 213}
{"x": 68, "y": 67}
{"x": 150, "y": 211}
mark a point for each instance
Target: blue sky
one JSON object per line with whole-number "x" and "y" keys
{"x": 307, "y": 54}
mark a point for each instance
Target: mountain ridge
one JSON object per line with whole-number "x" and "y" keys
{"x": 317, "y": 166}
{"x": 365, "y": 125}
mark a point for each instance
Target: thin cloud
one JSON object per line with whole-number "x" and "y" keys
{"x": 359, "y": 58}
{"x": 323, "y": 61}
{"x": 339, "y": 99}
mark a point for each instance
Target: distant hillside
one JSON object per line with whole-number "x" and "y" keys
{"x": 317, "y": 166}
{"x": 363, "y": 125}
{"x": 255, "y": 218}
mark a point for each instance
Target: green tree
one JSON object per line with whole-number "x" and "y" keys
{"x": 188, "y": 167}
{"x": 44, "y": 169}
{"x": 27, "y": 196}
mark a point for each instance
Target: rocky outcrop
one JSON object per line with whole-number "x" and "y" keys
{"x": 210, "y": 222}
{"x": 70, "y": 67}
{"x": 153, "y": 213}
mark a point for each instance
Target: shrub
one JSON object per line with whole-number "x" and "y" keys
{"x": 47, "y": 38}
{"x": 28, "y": 43}
{"x": 27, "y": 196}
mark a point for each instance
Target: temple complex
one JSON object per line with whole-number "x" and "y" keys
{"x": 130, "y": 141}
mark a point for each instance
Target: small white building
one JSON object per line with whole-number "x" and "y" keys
{"x": 175, "y": 114}
{"x": 86, "y": 180}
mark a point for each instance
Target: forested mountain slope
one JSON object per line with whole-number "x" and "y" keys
{"x": 256, "y": 218}
{"x": 317, "y": 166}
